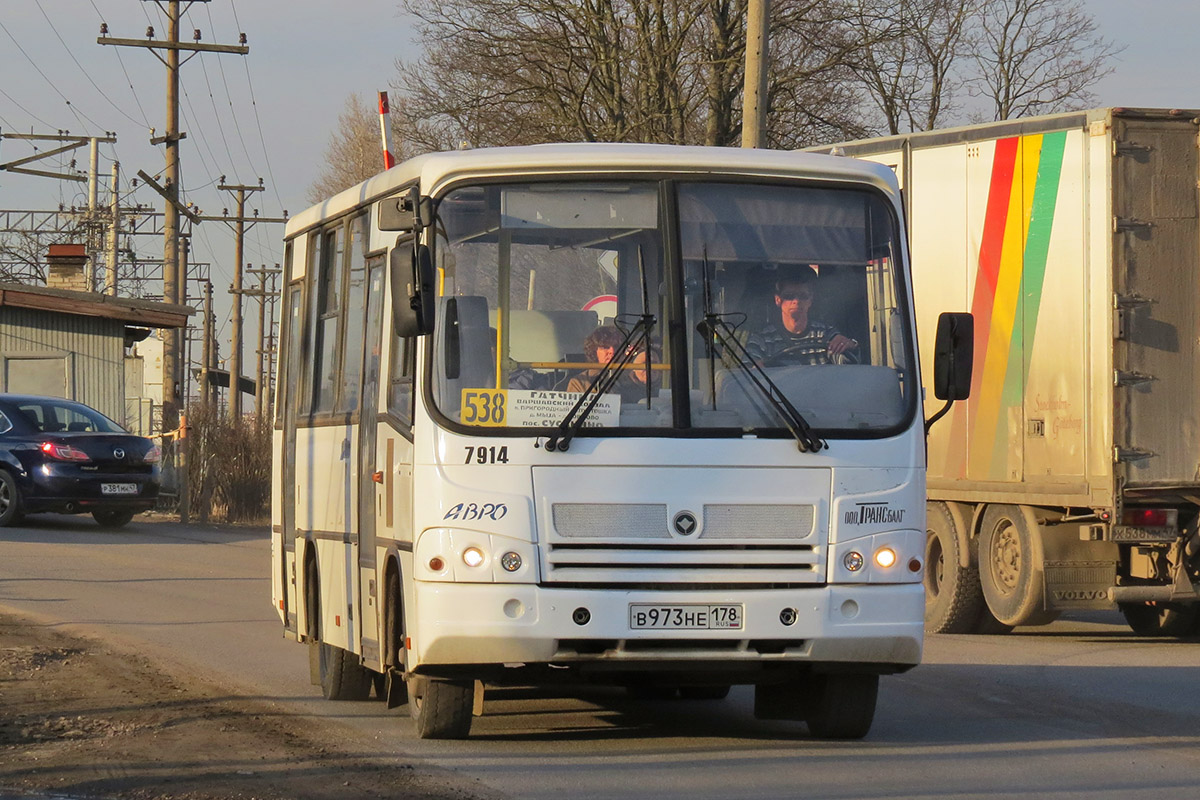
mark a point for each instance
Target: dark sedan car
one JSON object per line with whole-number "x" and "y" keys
{"x": 59, "y": 455}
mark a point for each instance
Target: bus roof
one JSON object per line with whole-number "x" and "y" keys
{"x": 434, "y": 169}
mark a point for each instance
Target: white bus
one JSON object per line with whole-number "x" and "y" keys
{"x": 639, "y": 415}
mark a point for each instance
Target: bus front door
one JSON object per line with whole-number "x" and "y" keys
{"x": 368, "y": 470}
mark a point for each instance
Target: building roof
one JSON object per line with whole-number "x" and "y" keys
{"x": 142, "y": 313}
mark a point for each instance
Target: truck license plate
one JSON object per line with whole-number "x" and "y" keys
{"x": 1131, "y": 533}
{"x": 118, "y": 488}
{"x": 685, "y": 617}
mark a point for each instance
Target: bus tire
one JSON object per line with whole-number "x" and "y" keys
{"x": 953, "y": 596}
{"x": 342, "y": 676}
{"x": 1010, "y": 566}
{"x": 441, "y": 709}
{"x": 841, "y": 706}
{"x": 1161, "y": 619}
{"x": 312, "y": 605}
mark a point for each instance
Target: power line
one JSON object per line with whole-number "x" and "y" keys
{"x": 111, "y": 102}
{"x": 128, "y": 80}
{"x": 257, "y": 120}
{"x": 229, "y": 96}
{"x": 79, "y": 115}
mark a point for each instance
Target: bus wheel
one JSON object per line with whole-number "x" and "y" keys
{"x": 441, "y": 709}
{"x": 1010, "y": 566}
{"x": 342, "y": 677}
{"x": 953, "y": 596}
{"x": 1161, "y": 619}
{"x": 841, "y": 706}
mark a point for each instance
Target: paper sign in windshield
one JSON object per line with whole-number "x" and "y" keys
{"x": 531, "y": 408}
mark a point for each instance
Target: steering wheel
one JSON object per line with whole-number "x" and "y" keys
{"x": 848, "y": 356}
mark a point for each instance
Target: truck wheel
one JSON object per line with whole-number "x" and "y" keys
{"x": 342, "y": 677}
{"x": 953, "y": 596}
{"x": 988, "y": 625}
{"x": 1161, "y": 619}
{"x": 441, "y": 709}
{"x": 841, "y": 706}
{"x": 1010, "y": 566}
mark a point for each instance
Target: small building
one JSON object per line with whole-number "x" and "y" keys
{"x": 73, "y": 344}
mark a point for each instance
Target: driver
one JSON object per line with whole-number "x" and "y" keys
{"x": 794, "y": 337}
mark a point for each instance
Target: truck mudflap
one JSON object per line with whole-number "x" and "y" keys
{"x": 1078, "y": 584}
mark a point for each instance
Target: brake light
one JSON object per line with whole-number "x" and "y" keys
{"x": 1150, "y": 517}
{"x": 63, "y": 452}
{"x": 153, "y": 454}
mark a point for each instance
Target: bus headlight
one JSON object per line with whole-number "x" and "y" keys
{"x": 879, "y": 558}
{"x": 473, "y": 556}
{"x": 447, "y": 555}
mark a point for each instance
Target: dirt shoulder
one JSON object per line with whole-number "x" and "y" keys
{"x": 79, "y": 719}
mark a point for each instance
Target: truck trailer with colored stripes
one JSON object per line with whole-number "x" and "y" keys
{"x": 1071, "y": 477}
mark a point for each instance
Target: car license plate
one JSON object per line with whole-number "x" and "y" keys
{"x": 118, "y": 488}
{"x": 685, "y": 617}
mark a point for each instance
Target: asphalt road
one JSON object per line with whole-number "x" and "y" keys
{"x": 1078, "y": 709}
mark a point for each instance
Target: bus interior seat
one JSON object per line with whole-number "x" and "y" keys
{"x": 828, "y": 395}
{"x": 545, "y": 336}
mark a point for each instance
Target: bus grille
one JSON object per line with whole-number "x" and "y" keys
{"x": 614, "y": 543}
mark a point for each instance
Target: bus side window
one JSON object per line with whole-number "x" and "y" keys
{"x": 400, "y": 390}
{"x": 327, "y": 317}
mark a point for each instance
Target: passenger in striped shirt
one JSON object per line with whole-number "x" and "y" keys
{"x": 793, "y": 337}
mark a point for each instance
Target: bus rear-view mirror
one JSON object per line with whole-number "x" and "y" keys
{"x": 953, "y": 356}
{"x": 413, "y": 289}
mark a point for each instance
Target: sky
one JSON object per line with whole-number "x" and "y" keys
{"x": 269, "y": 114}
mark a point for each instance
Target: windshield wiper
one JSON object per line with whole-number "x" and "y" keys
{"x": 605, "y": 377}
{"x": 714, "y": 328}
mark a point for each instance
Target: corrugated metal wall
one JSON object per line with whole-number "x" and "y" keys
{"x": 93, "y": 349}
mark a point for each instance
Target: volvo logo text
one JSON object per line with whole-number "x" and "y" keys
{"x": 684, "y": 523}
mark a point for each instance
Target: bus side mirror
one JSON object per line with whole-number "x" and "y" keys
{"x": 413, "y": 289}
{"x": 953, "y": 356}
{"x": 953, "y": 360}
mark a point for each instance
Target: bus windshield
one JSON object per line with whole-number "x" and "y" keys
{"x": 782, "y": 290}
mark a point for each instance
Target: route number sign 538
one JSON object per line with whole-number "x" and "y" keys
{"x": 485, "y": 407}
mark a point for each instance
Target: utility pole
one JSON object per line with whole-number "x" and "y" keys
{"x": 239, "y": 224}
{"x": 172, "y": 361}
{"x": 754, "y": 90}
{"x": 206, "y": 393}
{"x": 260, "y": 388}
{"x": 114, "y": 230}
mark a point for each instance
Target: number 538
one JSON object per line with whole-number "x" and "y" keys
{"x": 487, "y": 407}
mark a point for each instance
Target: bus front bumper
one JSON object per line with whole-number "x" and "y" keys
{"x": 875, "y": 626}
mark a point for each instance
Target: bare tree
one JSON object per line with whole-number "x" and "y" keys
{"x": 23, "y": 253}
{"x": 354, "y": 153}
{"x": 1038, "y": 56}
{"x": 914, "y": 67}
{"x": 524, "y": 71}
